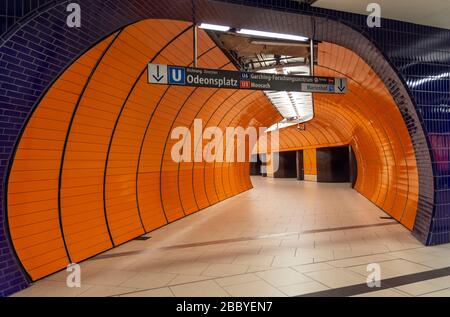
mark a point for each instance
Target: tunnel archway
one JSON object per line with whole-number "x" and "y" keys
{"x": 77, "y": 43}
{"x": 368, "y": 119}
{"x": 93, "y": 167}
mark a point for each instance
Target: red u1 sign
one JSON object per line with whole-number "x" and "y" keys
{"x": 245, "y": 84}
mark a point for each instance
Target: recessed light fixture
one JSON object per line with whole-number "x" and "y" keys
{"x": 273, "y": 35}
{"x": 214, "y": 27}
{"x": 273, "y": 43}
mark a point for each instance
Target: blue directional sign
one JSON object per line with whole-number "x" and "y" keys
{"x": 220, "y": 78}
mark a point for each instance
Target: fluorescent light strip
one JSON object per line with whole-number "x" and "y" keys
{"x": 273, "y": 35}
{"x": 272, "y": 43}
{"x": 214, "y": 27}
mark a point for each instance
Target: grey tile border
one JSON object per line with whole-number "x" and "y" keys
{"x": 224, "y": 241}
{"x": 359, "y": 289}
{"x": 190, "y": 245}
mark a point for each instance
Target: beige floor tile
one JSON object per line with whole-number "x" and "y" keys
{"x": 437, "y": 263}
{"x": 337, "y": 277}
{"x": 319, "y": 255}
{"x": 243, "y": 249}
{"x": 187, "y": 268}
{"x": 382, "y": 293}
{"x": 416, "y": 255}
{"x": 313, "y": 267}
{"x": 301, "y": 244}
{"x": 148, "y": 265}
{"x": 277, "y": 251}
{"x": 104, "y": 291}
{"x": 52, "y": 289}
{"x": 345, "y": 254}
{"x": 111, "y": 263}
{"x": 61, "y": 276}
{"x": 199, "y": 289}
{"x": 149, "y": 280}
{"x": 184, "y": 278}
{"x": 282, "y": 260}
{"x": 238, "y": 279}
{"x": 283, "y": 277}
{"x": 257, "y": 268}
{"x": 108, "y": 277}
{"x": 160, "y": 292}
{"x": 254, "y": 259}
{"x": 303, "y": 288}
{"x": 441, "y": 293}
{"x": 265, "y": 242}
{"x": 217, "y": 257}
{"x": 393, "y": 268}
{"x": 361, "y": 260}
{"x": 254, "y": 289}
{"x": 188, "y": 255}
{"x": 286, "y": 243}
{"x": 219, "y": 269}
{"x": 424, "y": 287}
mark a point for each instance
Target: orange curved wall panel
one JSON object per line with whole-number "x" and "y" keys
{"x": 33, "y": 185}
{"x": 93, "y": 168}
{"x": 368, "y": 119}
{"x": 309, "y": 161}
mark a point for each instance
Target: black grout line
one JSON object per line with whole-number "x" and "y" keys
{"x": 141, "y": 238}
{"x": 393, "y": 282}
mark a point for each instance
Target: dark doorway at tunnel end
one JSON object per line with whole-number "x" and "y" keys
{"x": 333, "y": 165}
{"x": 255, "y": 165}
{"x": 287, "y": 165}
{"x": 300, "y": 166}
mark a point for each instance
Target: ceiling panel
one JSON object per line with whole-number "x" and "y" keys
{"x": 431, "y": 12}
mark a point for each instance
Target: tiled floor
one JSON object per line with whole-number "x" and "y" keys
{"x": 283, "y": 238}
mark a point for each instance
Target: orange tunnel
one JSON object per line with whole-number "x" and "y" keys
{"x": 93, "y": 168}
{"x": 368, "y": 119}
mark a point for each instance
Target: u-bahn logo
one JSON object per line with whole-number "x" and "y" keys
{"x": 177, "y": 75}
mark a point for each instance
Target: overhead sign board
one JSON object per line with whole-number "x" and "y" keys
{"x": 218, "y": 78}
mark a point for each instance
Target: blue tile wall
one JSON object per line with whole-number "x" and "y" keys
{"x": 12, "y": 11}
{"x": 36, "y": 46}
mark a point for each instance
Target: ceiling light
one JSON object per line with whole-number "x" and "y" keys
{"x": 273, "y": 35}
{"x": 214, "y": 27}
{"x": 272, "y": 43}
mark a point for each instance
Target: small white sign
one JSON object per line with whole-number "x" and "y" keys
{"x": 157, "y": 74}
{"x": 315, "y": 88}
{"x": 340, "y": 85}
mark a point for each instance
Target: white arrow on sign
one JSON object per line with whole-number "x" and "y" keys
{"x": 157, "y": 74}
